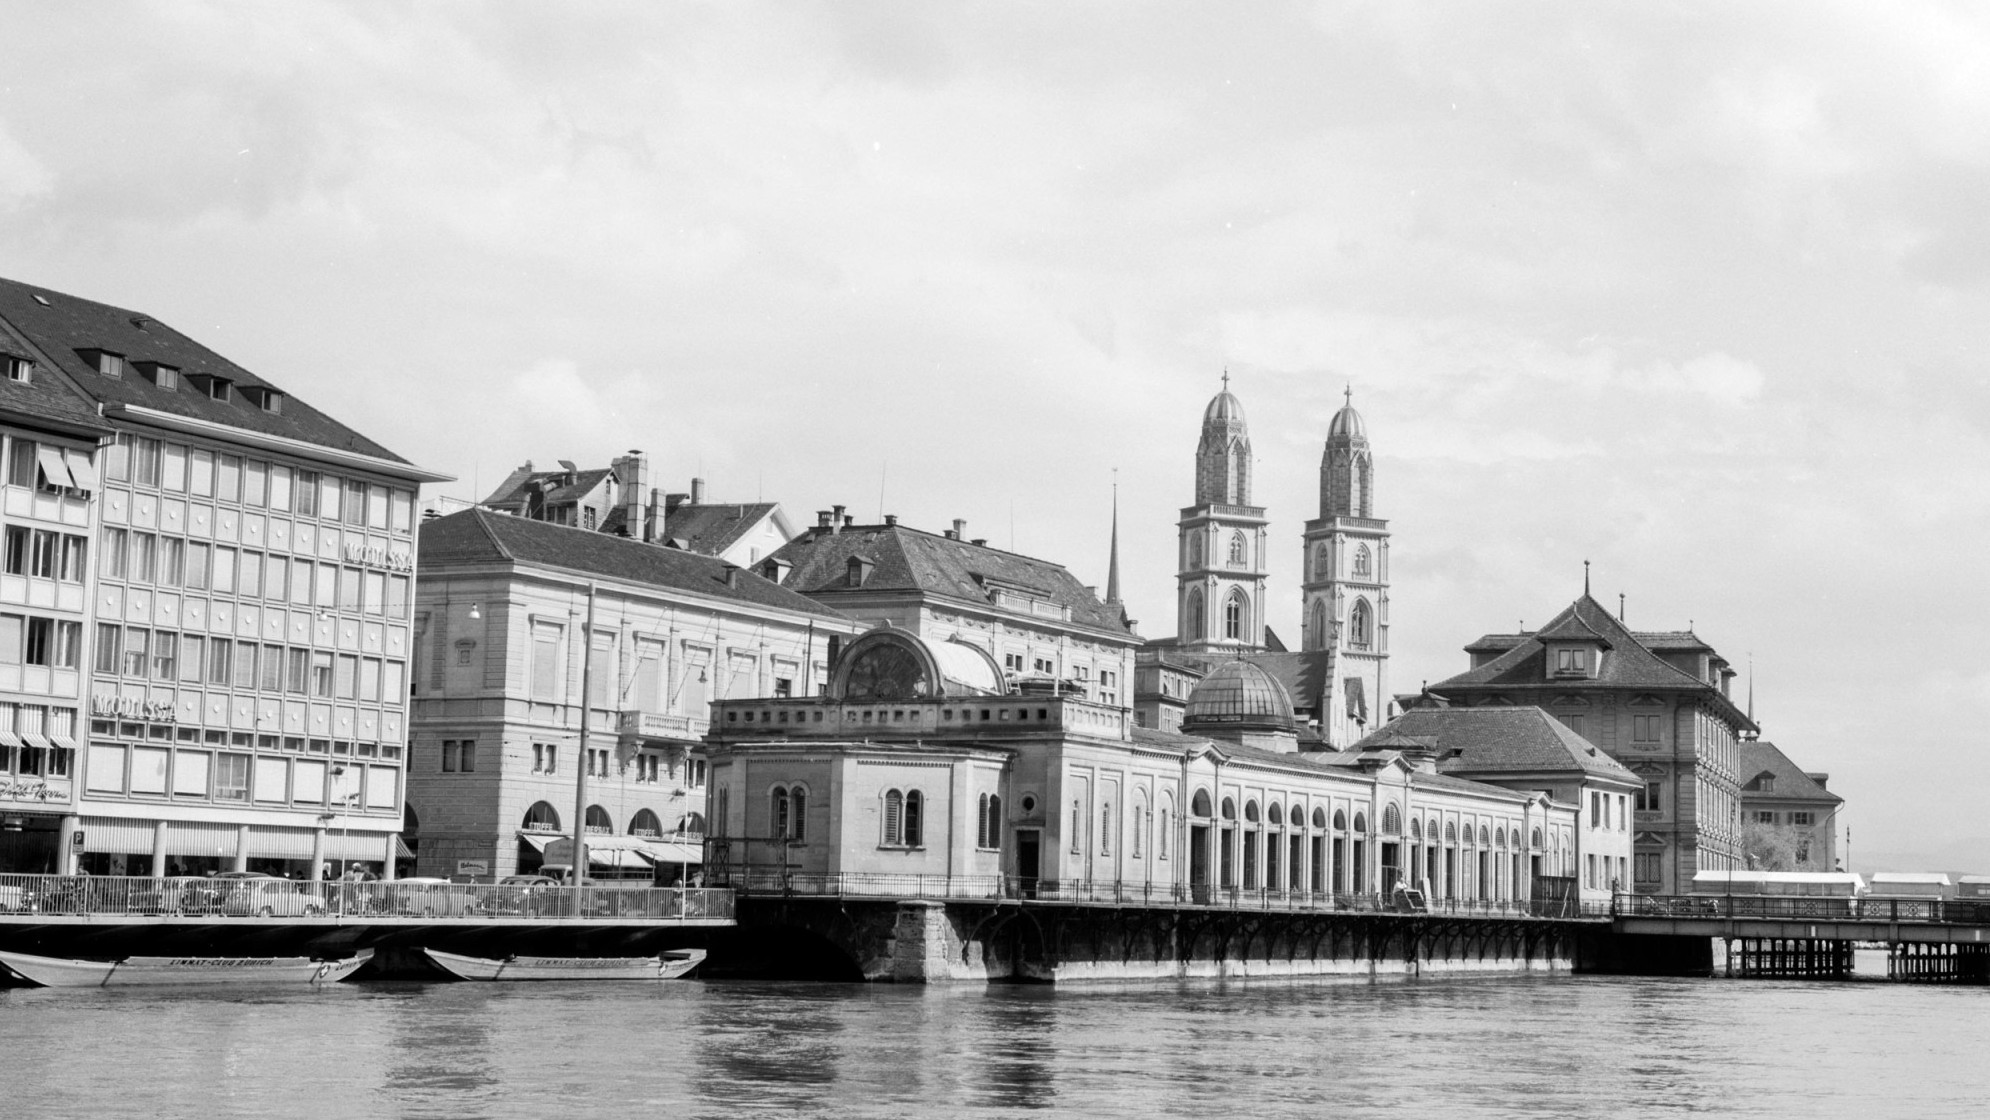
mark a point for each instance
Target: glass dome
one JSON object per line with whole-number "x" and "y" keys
{"x": 1238, "y": 692}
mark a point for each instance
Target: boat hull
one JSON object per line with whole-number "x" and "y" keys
{"x": 669, "y": 966}
{"x": 145, "y": 972}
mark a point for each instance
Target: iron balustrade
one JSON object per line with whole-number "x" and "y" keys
{"x": 1944, "y": 911}
{"x": 203, "y": 897}
{"x": 763, "y": 880}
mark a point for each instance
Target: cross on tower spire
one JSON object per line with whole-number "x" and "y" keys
{"x": 1349, "y": 394}
{"x": 1226, "y": 379}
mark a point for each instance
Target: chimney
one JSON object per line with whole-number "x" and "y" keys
{"x": 652, "y": 522}
{"x": 891, "y": 519}
{"x": 822, "y": 519}
{"x": 960, "y": 529}
{"x": 697, "y": 491}
{"x": 732, "y": 576}
{"x": 632, "y": 475}
{"x": 837, "y": 520}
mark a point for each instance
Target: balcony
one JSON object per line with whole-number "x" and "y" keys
{"x": 638, "y": 723}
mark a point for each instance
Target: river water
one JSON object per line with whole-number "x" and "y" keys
{"x": 1433, "y": 1048}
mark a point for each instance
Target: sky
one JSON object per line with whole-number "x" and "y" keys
{"x": 1696, "y": 293}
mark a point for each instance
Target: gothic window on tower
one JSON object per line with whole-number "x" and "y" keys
{"x": 1360, "y": 626}
{"x": 1322, "y": 565}
{"x": 1195, "y": 551}
{"x": 1197, "y": 625}
{"x": 1363, "y": 562}
{"x": 1233, "y": 616}
{"x": 1239, "y": 549}
{"x": 1318, "y": 627}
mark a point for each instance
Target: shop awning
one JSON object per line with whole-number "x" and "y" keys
{"x": 620, "y": 851}
{"x": 34, "y": 740}
{"x": 9, "y": 739}
{"x": 538, "y": 840}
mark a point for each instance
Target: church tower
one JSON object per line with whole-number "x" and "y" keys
{"x": 1219, "y": 602}
{"x": 1345, "y": 589}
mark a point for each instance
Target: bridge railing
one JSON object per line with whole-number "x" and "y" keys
{"x": 750, "y": 881}
{"x": 1803, "y": 908}
{"x": 223, "y": 897}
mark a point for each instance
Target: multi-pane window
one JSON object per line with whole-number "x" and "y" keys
{"x": 231, "y": 777}
{"x": 1644, "y": 728}
{"x": 459, "y": 755}
{"x": 112, "y": 556}
{"x": 109, "y": 647}
{"x": 137, "y": 651}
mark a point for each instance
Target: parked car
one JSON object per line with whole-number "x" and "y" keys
{"x": 428, "y": 898}
{"x": 266, "y": 896}
{"x": 528, "y": 895}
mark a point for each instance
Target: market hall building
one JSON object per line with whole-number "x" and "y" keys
{"x": 248, "y": 597}
{"x": 925, "y": 764}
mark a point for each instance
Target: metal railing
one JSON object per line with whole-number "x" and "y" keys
{"x": 757, "y": 880}
{"x": 270, "y": 898}
{"x": 1947, "y": 911}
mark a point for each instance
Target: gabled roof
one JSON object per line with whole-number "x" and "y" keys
{"x": 908, "y": 560}
{"x": 1628, "y": 665}
{"x": 1495, "y": 741}
{"x": 570, "y": 486}
{"x": 1570, "y": 628}
{"x": 64, "y": 325}
{"x": 479, "y": 535}
{"x": 1304, "y": 674}
{"x": 1755, "y": 757}
{"x": 711, "y": 529}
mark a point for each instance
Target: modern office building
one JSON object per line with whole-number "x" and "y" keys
{"x": 248, "y": 602}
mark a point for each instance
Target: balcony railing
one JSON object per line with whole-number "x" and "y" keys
{"x": 230, "y": 898}
{"x": 750, "y": 881}
{"x": 1942, "y": 911}
{"x": 654, "y": 725}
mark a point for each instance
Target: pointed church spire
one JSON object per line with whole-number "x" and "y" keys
{"x": 1112, "y": 565}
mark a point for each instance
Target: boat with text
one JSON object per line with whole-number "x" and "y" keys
{"x": 138, "y": 972}
{"x": 667, "y": 966}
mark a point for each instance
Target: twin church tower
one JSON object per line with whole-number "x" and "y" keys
{"x": 1343, "y": 667}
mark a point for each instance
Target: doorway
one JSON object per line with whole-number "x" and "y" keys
{"x": 1029, "y": 859}
{"x": 1198, "y": 863}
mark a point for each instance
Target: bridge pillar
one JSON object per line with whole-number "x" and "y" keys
{"x": 926, "y": 949}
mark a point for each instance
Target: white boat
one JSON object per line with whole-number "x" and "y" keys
{"x": 668, "y": 966}
{"x": 136, "y": 972}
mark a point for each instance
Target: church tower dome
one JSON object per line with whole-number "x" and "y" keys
{"x": 1344, "y": 585}
{"x": 1220, "y": 569}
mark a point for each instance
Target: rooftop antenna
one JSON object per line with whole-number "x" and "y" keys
{"x": 1012, "y": 524}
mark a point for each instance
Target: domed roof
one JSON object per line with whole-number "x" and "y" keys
{"x": 1348, "y": 424}
{"x": 1238, "y": 692}
{"x": 1223, "y": 407}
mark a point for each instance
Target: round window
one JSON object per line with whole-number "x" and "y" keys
{"x": 1029, "y": 803}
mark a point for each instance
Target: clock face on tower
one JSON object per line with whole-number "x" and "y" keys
{"x": 885, "y": 672}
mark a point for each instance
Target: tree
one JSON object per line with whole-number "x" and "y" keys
{"x": 1778, "y": 847}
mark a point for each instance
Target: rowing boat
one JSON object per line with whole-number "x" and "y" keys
{"x": 130, "y": 972}
{"x": 668, "y": 966}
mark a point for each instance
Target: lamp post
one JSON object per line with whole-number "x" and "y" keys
{"x": 579, "y": 871}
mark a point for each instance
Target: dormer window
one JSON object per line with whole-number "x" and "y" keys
{"x": 17, "y": 369}
{"x": 108, "y": 363}
{"x": 160, "y": 374}
{"x": 858, "y": 570}
{"x": 210, "y": 386}
{"x": 1572, "y": 662}
{"x": 264, "y": 397}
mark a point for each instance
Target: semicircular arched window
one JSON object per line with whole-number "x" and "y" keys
{"x": 1499, "y": 837}
{"x": 599, "y": 821}
{"x": 1319, "y": 818}
{"x": 1275, "y": 814}
{"x": 1450, "y": 834}
{"x": 1200, "y": 806}
{"x": 691, "y": 822}
{"x": 1229, "y": 809}
{"x": 644, "y": 823}
{"x": 1485, "y": 838}
{"x": 1537, "y": 839}
{"x": 1416, "y": 830}
{"x": 542, "y": 817}
{"x": 885, "y": 671}
{"x": 1392, "y": 821}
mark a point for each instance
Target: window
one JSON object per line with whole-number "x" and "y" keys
{"x": 228, "y": 478}
{"x": 16, "y": 562}
{"x": 1648, "y": 797}
{"x": 1105, "y": 830}
{"x": 321, "y": 672}
{"x": 988, "y": 822}
{"x": 541, "y": 817}
{"x": 273, "y": 665}
{"x": 459, "y": 756}
{"x": 1644, "y": 728}
{"x": 21, "y": 464}
{"x": 109, "y": 647}
{"x": 1571, "y": 661}
{"x": 200, "y": 473}
{"x": 111, "y": 558}
{"x": 137, "y": 651}
{"x": 1195, "y": 551}
{"x": 354, "y": 502}
{"x": 1198, "y": 627}
{"x": 68, "y": 645}
{"x": 231, "y": 777}
{"x": 545, "y": 758}
{"x": 173, "y": 468}
{"x": 1647, "y": 866}
{"x": 1013, "y": 662}
{"x": 349, "y": 589}
{"x": 1363, "y": 561}
{"x": 172, "y": 562}
{"x": 145, "y": 455}
{"x": 255, "y": 484}
{"x": 17, "y": 369}
{"x": 42, "y": 555}
{"x": 245, "y": 664}
{"x": 197, "y": 560}
{"x": 305, "y": 496}
{"x": 1595, "y": 809}
{"x": 222, "y": 573}
{"x": 1765, "y": 816}
{"x": 1233, "y": 616}
{"x": 250, "y": 580}
{"x": 1802, "y": 819}
{"x": 1045, "y": 666}
{"x": 644, "y": 823}
{"x": 1360, "y": 626}
{"x": 545, "y": 661}
{"x": 1239, "y": 550}
{"x": 901, "y": 818}
{"x": 348, "y": 672}
{"x": 598, "y": 820}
